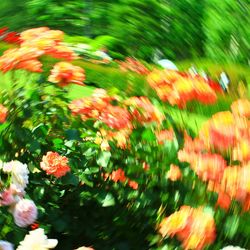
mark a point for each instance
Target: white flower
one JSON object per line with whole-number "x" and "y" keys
{"x": 232, "y": 248}
{"x": 37, "y": 240}
{"x": 19, "y": 174}
{"x": 5, "y": 245}
{"x": 25, "y": 213}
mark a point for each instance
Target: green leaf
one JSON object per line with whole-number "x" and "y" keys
{"x": 103, "y": 159}
{"x": 231, "y": 226}
{"x": 108, "y": 200}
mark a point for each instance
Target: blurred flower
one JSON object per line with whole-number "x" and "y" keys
{"x": 193, "y": 226}
{"x": 55, "y": 164}
{"x": 143, "y": 110}
{"x": 118, "y": 175}
{"x": 241, "y": 107}
{"x": 233, "y": 248}
{"x": 223, "y": 201}
{"x": 19, "y": 174}
{"x": 3, "y": 113}
{"x": 8, "y": 197}
{"x": 25, "y": 213}
{"x": 116, "y": 117}
{"x": 85, "y": 248}
{"x": 178, "y": 88}
{"x": 64, "y": 73}
{"x": 36, "y": 239}
{"x": 164, "y": 135}
{"x": 5, "y": 245}
{"x": 130, "y": 64}
{"x": 174, "y": 173}
{"x": 133, "y": 184}
{"x": 21, "y": 58}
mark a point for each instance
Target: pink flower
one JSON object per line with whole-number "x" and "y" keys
{"x": 5, "y": 245}
{"x": 55, "y": 164}
{"x": 7, "y": 197}
{"x": 25, "y": 213}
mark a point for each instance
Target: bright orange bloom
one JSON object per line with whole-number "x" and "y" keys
{"x": 21, "y": 58}
{"x": 133, "y": 184}
{"x": 174, "y": 173}
{"x": 118, "y": 175}
{"x": 3, "y": 113}
{"x": 241, "y": 107}
{"x": 64, "y": 73}
{"x": 209, "y": 166}
{"x": 116, "y": 117}
{"x": 223, "y": 201}
{"x": 178, "y": 88}
{"x": 55, "y": 164}
{"x": 193, "y": 226}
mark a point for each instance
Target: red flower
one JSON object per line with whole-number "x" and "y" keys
{"x": 133, "y": 184}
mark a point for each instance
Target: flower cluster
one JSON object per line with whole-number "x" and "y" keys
{"x": 24, "y": 211}
{"x": 48, "y": 41}
{"x": 131, "y": 64}
{"x": 193, "y": 226}
{"x": 9, "y": 36}
{"x": 179, "y": 88}
{"x": 225, "y": 136}
{"x": 55, "y": 164}
{"x": 119, "y": 176}
{"x": 119, "y": 120}
{"x": 43, "y": 41}
{"x": 64, "y": 73}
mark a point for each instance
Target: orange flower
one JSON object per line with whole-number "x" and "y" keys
{"x": 131, "y": 64}
{"x": 64, "y": 73}
{"x": 178, "y": 88}
{"x": 21, "y": 58}
{"x": 116, "y": 117}
{"x": 54, "y": 164}
{"x": 133, "y": 184}
{"x": 241, "y": 107}
{"x": 193, "y": 226}
{"x": 118, "y": 175}
{"x": 209, "y": 166}
{"x": 3, "y": 113}
{"x": 223, "y": 201}
{"x": 174, "y": 173}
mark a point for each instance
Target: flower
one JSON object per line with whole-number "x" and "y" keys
{"x": 8, "y": 197}
{"x": 64, "y": 73}
{"x": 241, "y": 107}
{"x": 19, "y": 174}
{"x": 25, "y": 213}
{"x": 232, "y": 248}
{"x": 174, "y": 173}
{"x": 133, "y": 184}
{"x": 116, "y": 117}
{"x": 5, "y": 245}
{"x": 21, "y": 58}
{"x": 118, "y": 175}
{"x": 85, "y": 248}
{"x": 131, "y": 64}
{"x": 55, "y": 164}
{"x": 193, "y": 226}
{"x": 36, "y": 239}
{"x": 3, "y": 113}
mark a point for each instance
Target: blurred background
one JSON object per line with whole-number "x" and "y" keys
{"x": 214, "y": 30}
